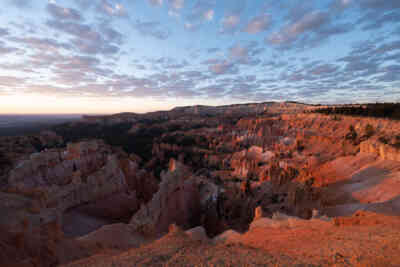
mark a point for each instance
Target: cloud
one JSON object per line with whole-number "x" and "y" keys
{"x": 42, "y": 44}
{"x": 140, "y": 67}
{"x": 377, "y": 13}
{"x": 334, "y": 29}
{"x": 308, "y": 23}
{"x": 110, "y": 34}
{"x": 63, "y": 13}
{"x": 112, "y": 9}
{"x": 4, "y": 32}
{"x": 258, "y": 24}
{"x": 208, "y": 14}
{"x": 341, "y": 4}
{"x": 211, "y": 61}
{"x": 191, "y": 27}
{"x": 81, "y": 31}
{"x": 11, "y": 81}
{"x": 195, "y": 75}
{"x": 389, "y": 76}
{"x": 180, "y": 88}
{"x": 177, "y": 4}
{"x": 380, "y": 4}
{"x": 275, "y": 64}
{"x": 156, "y": 2}
{"x": 214, "y": 91}
{"x": 21, "y": 3}
{"x": 169, "y": 63}
{"x": 72, "y": 78}
{"x": 152, "y": 28}
{"x": 237, "y": 51}
{"x": 230, "y": 23}
{"x": 388, "y": 47}
{"x": 81, "y": 63}
{"x": 309, "y": 30}
{"x": 325, "y": 69}
{"x": 366, "y": 60}
{"x": 82, "y": 50}
{"x": 87, "y": 40}
{"x": 213, "y": 50}
{"x": 224, "y": 67}
{"x": 90, "y": 47}
{"x": 379, "y": 20}
{"x": 244, "y": 54}
{"x": 203, "y": 11}
{"x": 4, "y": 49}
{"x": 85, "y": 4}
{"x": 242, "y": 91}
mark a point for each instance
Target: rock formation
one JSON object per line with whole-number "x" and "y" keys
{"x": 255, "y": 178}
{"x": 181, "y": 198}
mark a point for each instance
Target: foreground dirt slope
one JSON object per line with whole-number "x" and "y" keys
{"x": 365, "y": 239}
{"x": 359, "y": 182}
{"x": 177, "y": 249}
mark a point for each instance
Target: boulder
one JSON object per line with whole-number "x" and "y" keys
{"x": 113, "y": 236}
{"x": 198, "y": 233}
{"x": 228, "y": 237}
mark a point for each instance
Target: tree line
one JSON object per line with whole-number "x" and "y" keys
{"x": 377, "y": 110}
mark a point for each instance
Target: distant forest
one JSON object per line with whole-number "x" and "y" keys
{"x": 377, "y": 110}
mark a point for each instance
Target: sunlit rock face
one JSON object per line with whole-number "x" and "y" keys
{"x": 249, "y": 162}
{"x": 383, "y": 151}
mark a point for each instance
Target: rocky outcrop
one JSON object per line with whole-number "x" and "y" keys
{"x": 16, "y": 148}
{"x": 228, "y": 237}
{"x": 383, "y": 151}
{"x": 84, "y": 172}
{"x": 181, "y": 199}
{"x": 258, "y": 213}
{"x": 113, "y": 236}
{"x": 47, "y": 184}
{"x": 250, "y": 163}
{"x": 279, "y": 173}
{"x": 198, "y": 233}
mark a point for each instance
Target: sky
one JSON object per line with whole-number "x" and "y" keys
{"x": 109, "y": 56}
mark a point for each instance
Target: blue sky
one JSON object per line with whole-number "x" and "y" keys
{"x": 105, "y": 56}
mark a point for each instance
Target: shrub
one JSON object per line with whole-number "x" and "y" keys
{"x": 299, "y": 146}
{"x": 352, "y": 134}
{"x": 369, "y": 130}
{"x": 383, "y": 140}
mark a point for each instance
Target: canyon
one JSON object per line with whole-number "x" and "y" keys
{"x": 241, "y": 185}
